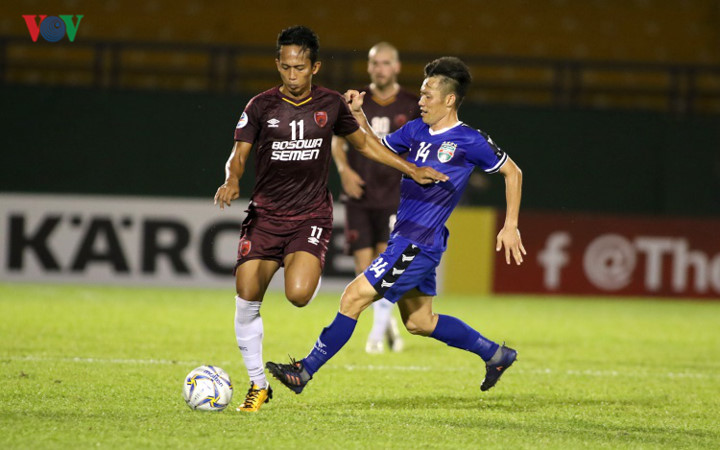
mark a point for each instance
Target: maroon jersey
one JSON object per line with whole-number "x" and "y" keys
{"x": 293, "y": 150}
{"x": 382, "y": 183}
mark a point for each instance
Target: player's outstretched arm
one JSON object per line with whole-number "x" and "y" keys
{"x": 373, "y": 149}
{"x": 509, "y": 236}
{"x": 366, "y": 142}
{"x": 352, "y": 183}
{"x": 234, "y": 169}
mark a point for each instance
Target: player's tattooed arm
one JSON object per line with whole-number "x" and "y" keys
{"x": 352, "y": 183}
{"x": 368, "y": 143}
{"x": 234, "y": 169}
{"x": 509, "y": 236}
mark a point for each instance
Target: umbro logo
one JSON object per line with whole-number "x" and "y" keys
{"x": 406, "y": 258}
{"x": 320, "y": 344}
{"x": 385, "y": 284}
{"x": 273, "y": 123}
{"x": 397, "y": 271}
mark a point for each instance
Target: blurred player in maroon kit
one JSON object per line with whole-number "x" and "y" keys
{"x": 289, "y": 220}
{"x": 372, "y": 190}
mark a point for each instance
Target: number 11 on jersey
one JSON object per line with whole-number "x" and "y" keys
{"x": 297, "y": 127}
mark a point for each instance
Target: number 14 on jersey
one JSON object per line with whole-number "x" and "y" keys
{"x": 423, "y": 151}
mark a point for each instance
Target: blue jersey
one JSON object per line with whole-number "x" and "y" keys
{"x": 454, "y": 151}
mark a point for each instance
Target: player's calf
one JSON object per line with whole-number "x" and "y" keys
{"x": 418, "y": 328}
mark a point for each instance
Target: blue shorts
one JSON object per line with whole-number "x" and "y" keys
{"x": 402, "y": 267}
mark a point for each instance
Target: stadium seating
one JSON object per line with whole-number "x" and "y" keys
{"x": 662, "y": 54}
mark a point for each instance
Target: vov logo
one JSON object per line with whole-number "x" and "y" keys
{"x": 52, "y": 28}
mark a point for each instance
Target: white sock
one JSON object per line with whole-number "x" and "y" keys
{"x": 249, "y": 334}
{"x": 382, "y": 311}
{"x": 317, "y": 289}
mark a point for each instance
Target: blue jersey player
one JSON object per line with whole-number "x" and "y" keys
{"x": 405, "y": 272}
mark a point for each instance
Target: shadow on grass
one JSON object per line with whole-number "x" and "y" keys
{"x": 500, "y": 402}
{"x": 529, "y": 415}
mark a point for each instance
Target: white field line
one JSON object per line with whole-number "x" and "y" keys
{"x": 78, "y": 359}
{"x": 372, "y": 367}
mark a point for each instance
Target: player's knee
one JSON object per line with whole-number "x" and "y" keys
{"x": 249, "y": 292}
{"x": 418, "y": 327}
{"x": 299, "y": 297}
{"x": 353, "y": 302}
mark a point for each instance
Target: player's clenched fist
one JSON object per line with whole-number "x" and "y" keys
{"x": 355, "y": 100}
{"x": 227, "y": 193}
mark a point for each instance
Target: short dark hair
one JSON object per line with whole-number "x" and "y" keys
{"x": 453, "y": 73}
{"x": 302, "y": 36}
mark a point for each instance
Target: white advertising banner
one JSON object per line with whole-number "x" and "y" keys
{"x": 132, "y": 240}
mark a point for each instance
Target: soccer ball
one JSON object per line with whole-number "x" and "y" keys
{"x": 207, "y": 388}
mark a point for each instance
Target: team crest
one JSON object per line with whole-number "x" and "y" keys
{"x": 321, "y": 118}
{"x": 446, "y": 151}
{"x": 245, "y": 247}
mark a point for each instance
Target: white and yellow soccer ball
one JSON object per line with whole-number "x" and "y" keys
{"x": 207, "y": 388}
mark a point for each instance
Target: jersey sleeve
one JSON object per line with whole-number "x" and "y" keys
{"x": 248, "y": 127}
{"x": 485, "y": 154}
{"x": 345, "y": 123}
{"x": 400, "y": 141}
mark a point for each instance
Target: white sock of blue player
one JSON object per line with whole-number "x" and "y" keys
{"x": 456, "y": 333}
{"x": 249, "y": 335}
{"x": 382, "y": 312}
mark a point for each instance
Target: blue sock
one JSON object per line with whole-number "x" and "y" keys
{"x": 456, "y": 333}
{"x": 331, "y": 340}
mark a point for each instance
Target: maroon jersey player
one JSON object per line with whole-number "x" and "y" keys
{"x": 289, "y": 219}
{"x": 371, "y": 190}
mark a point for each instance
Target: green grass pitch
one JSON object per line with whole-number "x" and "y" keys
{"x": 96, "y": 366}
